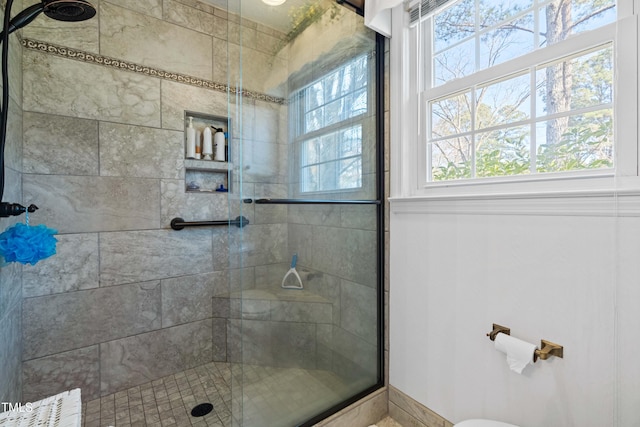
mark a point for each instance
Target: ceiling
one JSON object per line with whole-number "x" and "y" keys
{"x": 277, "y": 17}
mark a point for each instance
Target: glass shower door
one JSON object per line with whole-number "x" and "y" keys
{"x": 305, "y": 172}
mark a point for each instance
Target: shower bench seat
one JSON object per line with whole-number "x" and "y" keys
{"x": 278, "y": 305}
{"x": 280, "y": 327}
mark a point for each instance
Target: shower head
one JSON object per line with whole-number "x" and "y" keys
{"x": 70, "y": 11}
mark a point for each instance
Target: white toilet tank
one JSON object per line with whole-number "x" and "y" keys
{"x": 483, "y": 423}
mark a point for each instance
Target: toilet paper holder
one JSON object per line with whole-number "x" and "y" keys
{"x": 547, "y": 347}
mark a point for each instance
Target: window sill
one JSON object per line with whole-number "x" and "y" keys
{"x": 593, "y": 196}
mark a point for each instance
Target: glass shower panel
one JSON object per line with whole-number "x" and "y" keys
{"x": 304, "y": 155}
{"x": 307, "y": 350}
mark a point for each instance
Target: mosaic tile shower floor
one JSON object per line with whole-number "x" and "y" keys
{"x": 167, "y": 402}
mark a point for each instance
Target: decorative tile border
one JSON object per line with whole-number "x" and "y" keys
{"x": 142, "y": 69}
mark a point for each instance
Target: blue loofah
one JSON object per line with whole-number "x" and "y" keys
{"x": 27, "y": 245}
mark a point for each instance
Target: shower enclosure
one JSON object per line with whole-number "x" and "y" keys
{"x": 306, "y": 175}
{"x": 151, "y": 321}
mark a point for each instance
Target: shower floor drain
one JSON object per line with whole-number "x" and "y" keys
{"x": 201, "y": 410}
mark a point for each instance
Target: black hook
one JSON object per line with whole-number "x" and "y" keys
{"x": 15, "y": 209}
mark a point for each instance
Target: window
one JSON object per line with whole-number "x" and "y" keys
{"x": 518, "y": 88}
{"x": 329, "y": 118}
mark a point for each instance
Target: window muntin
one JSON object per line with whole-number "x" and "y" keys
{"x": 330, "y": 130}
{"x": 515, "y": 124}
{"x": 332, "y": 161}
{"x": 471, "y": 35}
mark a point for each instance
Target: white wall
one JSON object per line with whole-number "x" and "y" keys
{"x": 561, "y": 269}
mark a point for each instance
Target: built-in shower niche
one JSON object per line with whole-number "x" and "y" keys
{"x": 206, "y": 175}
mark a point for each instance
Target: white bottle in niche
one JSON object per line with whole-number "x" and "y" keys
{"x": 207, "y": 147}
{"x": 218, "y": 141}
{"x": 191, "y": 140}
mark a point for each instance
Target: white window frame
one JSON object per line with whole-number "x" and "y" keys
{"x": 408, "y": 118}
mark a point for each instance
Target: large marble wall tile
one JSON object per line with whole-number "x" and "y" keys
{"x": 260, "y": 121}
{"x": 73, "y": 267}
{"x": 15, "y": 67}
{"x": 195, "y": 18}
{"x": 13, "y": 193}
{"x": 187, "y": 298}
{"x": 358, "y": 216}
{"x": 359, "y": 356}
{"x": 178, "y": 98}
{"x": 136, "y": 151}
{"x": 220, "y": 237}
{"x": 57, "y": 85}
{"x": 142, "y": 358}
{"x": 72, "y": 320}
{"x": 328, "y": 215}
{"x": 270, "y": 42}
{"x": 13, "y": 149}
{"x": 264, "y": 162}
{"x": 221, "y": 282}
{"x": 267, "y": 214}
{"x": 176, "y": 202}
{"x": 10, "y": 356}
{"x": 61, "y": 372}
{"x": 82, "y": 35}
{"x": 306, "y": 312}
{"x": 254, "y": 342}
{"x": 10, "y": 287}
{"x": 135, "y": 37}
{"x": 75, "y": 204}
{"x": 222, "y": 307}
{"x": 127, "y": 257}
{"x": 347, "y": 253}
{"x": 260, "y": 71}
{"x": 148, "y": 7}
{"x": 60, "y": 145}
{"x": 359, "y": 310}
{"x": 219, "y": 340}
{"x": 197, "y": 4}
{"x": 220, "y": 60}
{"x": 234, "y": 340}
{"x": 241, "y": 278}
{"x": 270, "y": 276}
{"x": 259, "y": 245}
{"x": 324, "y": 353}
{"x": 279, "y": 344}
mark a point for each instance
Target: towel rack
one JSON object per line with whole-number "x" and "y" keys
{"x": 179, "y": 223}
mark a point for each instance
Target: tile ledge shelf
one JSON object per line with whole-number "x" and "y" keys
{"x": 207, "y": 165}
{"x": 143, "y": 69}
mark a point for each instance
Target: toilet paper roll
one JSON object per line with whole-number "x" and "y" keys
{"x": 519, "y": 353}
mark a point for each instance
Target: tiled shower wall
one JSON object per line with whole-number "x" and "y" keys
{"x": 126, "y": 299}
{"x": 11, "y": 274}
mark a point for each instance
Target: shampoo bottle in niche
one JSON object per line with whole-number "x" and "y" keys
{"x": 191, "y": 140}
{"x": 219, "y": 141}
{"x": 207, "y": 147}
{"x": 198, "y": 145}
